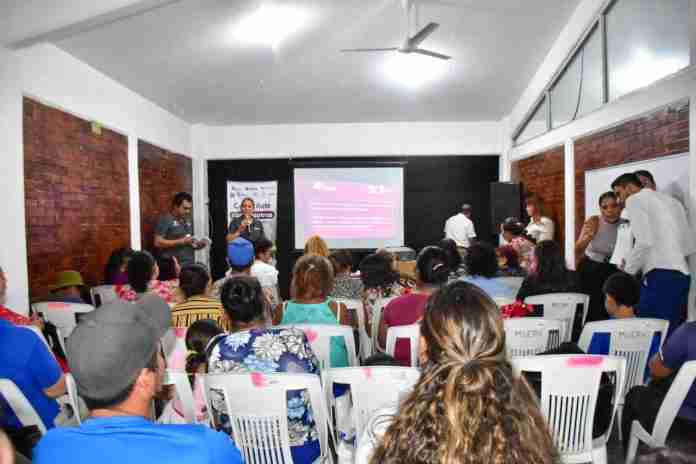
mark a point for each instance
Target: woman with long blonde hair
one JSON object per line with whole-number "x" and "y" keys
{"x": 468, "y": 406}
{"x": 315, "y": 245}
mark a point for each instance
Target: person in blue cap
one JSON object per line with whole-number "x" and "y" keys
{"x": 240, "y": 257}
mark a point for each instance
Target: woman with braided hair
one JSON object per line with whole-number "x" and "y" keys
{"x": 468, "y": 406}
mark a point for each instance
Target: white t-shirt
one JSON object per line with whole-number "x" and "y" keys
{"x": 663, "y": 235}
{"x": 460, "y": 229}
{"x": 542, "y": 230}
{"x": 265, "y": 273}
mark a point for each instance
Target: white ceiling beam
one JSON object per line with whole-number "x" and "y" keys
{"x": 39, "y": 21}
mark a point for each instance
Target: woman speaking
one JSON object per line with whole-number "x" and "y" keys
{"x": 245, "y": 225}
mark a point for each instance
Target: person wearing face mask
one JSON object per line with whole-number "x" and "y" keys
{"x": 594, "y": 249}
{"x": 246, "y": 225}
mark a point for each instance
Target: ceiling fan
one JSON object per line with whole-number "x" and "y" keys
{"x": 411, "y": 44}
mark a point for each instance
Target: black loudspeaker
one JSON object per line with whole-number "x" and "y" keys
{"x": 506, "y": 201}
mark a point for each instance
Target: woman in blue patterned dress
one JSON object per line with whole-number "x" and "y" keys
{"x": 252, "y": 347}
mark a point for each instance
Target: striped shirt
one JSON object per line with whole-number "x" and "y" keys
{"x": 195, "y": 308}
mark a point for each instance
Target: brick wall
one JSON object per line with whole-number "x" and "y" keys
{"x": 661, "y": 133}
{"x": 76, "y": 196}
{"x": 543, "y": 175}
{"x": 161, "y": 175}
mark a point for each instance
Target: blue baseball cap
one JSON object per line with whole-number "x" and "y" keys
{"x": 240, "y": 252}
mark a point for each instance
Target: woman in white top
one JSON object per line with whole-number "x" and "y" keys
{"x": 540, "y": 227}
{"x": 264, "y": 271}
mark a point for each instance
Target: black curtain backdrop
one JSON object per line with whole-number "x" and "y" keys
{"x": 435, "y": 188}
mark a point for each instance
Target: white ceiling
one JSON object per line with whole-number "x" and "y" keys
{"x": 183, "y": 56}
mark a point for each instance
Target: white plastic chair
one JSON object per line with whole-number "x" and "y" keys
{"x": 631, "y": 339}
{"x": 569, "y": 390}
{"x": 319, "y": 337}
{"x": 527, "y": 336}
{"x": 174, "y": 347}
{"x": 185, "y": 393}
{"x": 562, "y": 306}
{"x": 374, "y": 323}
{"x": 665, "y": 416}
{"x": 22, "y": 408}
{"x": 62, "y": 315}
{"x": 257, "y": 408}
{"x": 411, "y": 333}
{"x": 71, "y": 387}
{"x": 104, "y": 293}
{"x": 371, "y": 388}
{"x": 365, "y": 350}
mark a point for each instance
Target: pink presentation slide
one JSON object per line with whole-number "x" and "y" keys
{"x": 347, "y": 210}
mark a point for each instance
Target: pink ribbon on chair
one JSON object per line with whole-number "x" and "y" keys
{"x": 311, "y": 335}
{"x": 258, "y": 379}
{"x": 579, "y": 361}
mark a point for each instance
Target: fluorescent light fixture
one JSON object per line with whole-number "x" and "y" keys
{"x": 412, "y": 71}
{"x": 270, "y": 24}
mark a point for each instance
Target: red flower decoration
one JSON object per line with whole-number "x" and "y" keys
{"x": 516, "y": 309}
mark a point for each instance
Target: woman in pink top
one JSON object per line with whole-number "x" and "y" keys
{"x": 513, "y": 233}
{"x": 431, "y": 272}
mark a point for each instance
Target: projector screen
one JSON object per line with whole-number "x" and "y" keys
{"x": 350, "y": 207}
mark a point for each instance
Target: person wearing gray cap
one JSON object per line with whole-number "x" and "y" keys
{"x": 117, "y": 360}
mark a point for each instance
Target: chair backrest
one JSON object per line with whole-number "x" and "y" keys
{"x": 569, "y": 390}
{"x": 629, "y": 338}
{"x": 319, "y": 337}
{"x": 184, "y": 391}
{"x": 257, "y": 408}
{"x": 674, "y": 399}
{"x": 25, "y": 412}
{"x": 371, "y": 388}
{"x": 71, "y": 387}
{"x": 376, "y": 318}
{"x": 365, "y": 349}
{"x": 409, "y": 332}
{"x": 562, "y": 306}
{"x": 527, "y": 336}
{"x": 103, "y": 294}
{"x": 62, "y": 315}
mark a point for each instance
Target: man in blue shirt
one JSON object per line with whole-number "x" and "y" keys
{"x": 117, "y": 361}
{"x": 643, "y": 402}
{"x": 26, "y": 360}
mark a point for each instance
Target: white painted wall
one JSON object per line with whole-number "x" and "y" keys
{"x": 375, "y": 139}
{"x": 54, "y": 77}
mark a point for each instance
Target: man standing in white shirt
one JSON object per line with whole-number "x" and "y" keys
{"x": 460, "y": 228}
{"x": 663, "y": 241}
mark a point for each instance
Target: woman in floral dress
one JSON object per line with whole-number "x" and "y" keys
{"x": 252, "y": 347}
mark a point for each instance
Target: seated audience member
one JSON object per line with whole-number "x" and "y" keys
{"x": 482, "y": 265}
{"x": 643, "y": 402}
{"x": 116, "y": 272}
{"x": 551, "y": 274}
{"x": 508, "y": 262}
{"x": 143, "y": 277}
{"x": 198, "y": 336}
{"x": 252, "y": 346}
{"x": 315, "y": 245}
{"x": 540, "y": 228}
{"x": 455, "y": 262}
{"x": 118, "y": 364}
{"x": 196, "y": 284}
{"x": 431, "y": 273}
{"x": 169, "y": 268}
{"x": 26, "y": 360}
{"x": 11, "y": 316}
{"x": 67, "y": 288}
{"x": 380, "y": 281}
{"x": 345, "y": 286}
{"x": 665, "y": 456}
{"x": 240, "y": 258}
{"x": 514, "y": 235}
{"x": 468, "y": 406}
{"x": 312, "y": 281}
{"x": 594, "y": 248}
{"x": 264, "y": 271}
{"x": 622, "y": 293}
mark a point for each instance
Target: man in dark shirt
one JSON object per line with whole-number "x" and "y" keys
{"x": 174, "y": 231}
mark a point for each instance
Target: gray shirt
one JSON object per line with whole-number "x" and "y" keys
{"x": 170, "y": 228}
